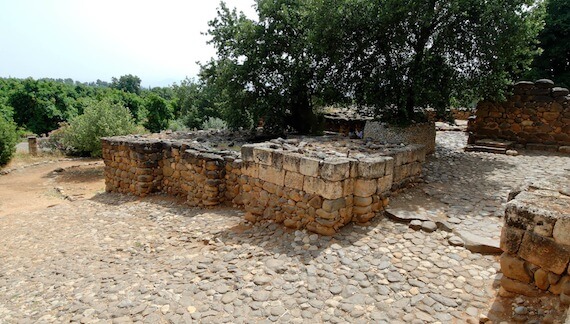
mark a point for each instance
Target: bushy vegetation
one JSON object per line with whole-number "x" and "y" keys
{"x": 8, "y": 139}
{"x": 99, "y": 119}
{"x": 214, "y": 123}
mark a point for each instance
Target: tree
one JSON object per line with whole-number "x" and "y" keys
{"x": 128, "y": 83}
{"x": 554, "y": 62}
{"x": 397, "y": 56}
{"x": 158, "y": 113}
{"x": 8, "y": 138}
{"x": 265, "y": 69}
{"x": 401, "y": 55}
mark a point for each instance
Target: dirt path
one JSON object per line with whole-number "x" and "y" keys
{"x": 40, "y": 186}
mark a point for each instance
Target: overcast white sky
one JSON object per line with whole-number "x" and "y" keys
{"x": 86, "y": 40}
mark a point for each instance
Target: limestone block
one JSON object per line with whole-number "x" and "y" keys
{"x": 323, "y": 214}
{"x": 250, "y": 169}
{"x": 365, "y": 187}
{"x": 263, "y": 155}
{"x": 247, "y": 153}
{"x": 362, "y": 201}
{"x": 356, "y": 210}
{"x": 291, "y": 162}
{"x": 348, "y": 187}
{"x": 511, "y": 239}
{"x": 333, "y": 205}
{"x": 270, "y": 174}
{"x": 514, "y": 268}
{"x": 544, "y": 252}
{"x": 561, "y": 232}
{"x": 316, "y": 202}
{"x": 336, "y": 170}
{"x": 385, "y": 184}
{"x": 277, "y": 159}
{"x": 309, "y": 167}
{"x": 372, "y": 168}
{"x": 326, "y": 189}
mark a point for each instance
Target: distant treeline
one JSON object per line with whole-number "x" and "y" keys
{"x": 40, "y": 106}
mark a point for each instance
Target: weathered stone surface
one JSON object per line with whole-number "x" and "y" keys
{"x": 402, "y": 215}
{"x": 511, "y": 239}
{"x": 514, "y": 268}
{"x": 518, "y": 287}
{"x": 372, "y": 168}
{"x": 294, "y": 180}
{"x": 429, "y": 226}
{"x": 335, "y": 170}
{"x": 541, "y": 279}
{"x": 365, "y": 187}
{"x": 544, "y": 252}
{"x": 480, "y": 244}
{"x": 558, "y": 287}
{"x": 561, "y": 231}
{"x": 309, "y": 167}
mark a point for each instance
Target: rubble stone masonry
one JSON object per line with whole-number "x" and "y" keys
{"x": 269, "y": 181}
{"x": 535, "y": 116}
{"x": 536, "y": 240}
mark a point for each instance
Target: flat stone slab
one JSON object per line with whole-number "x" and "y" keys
{"x": 479, "y": 244}
{"x": 405, "y": 216}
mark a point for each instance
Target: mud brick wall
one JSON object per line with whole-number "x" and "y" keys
{"x": 536, "y": 116}
{"x": 536, "y": 240}
{"x": 321, "y": 195}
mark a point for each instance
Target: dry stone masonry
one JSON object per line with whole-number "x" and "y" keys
{"x": 536, "y": 116}
{"x": 536, "y": 240}
{"x": 320, "y": 184}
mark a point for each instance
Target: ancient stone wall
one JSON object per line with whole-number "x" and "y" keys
{"x": 284, "y": 183}
{"x": 423, "y": 134}
{"x": 536, "y": 240}
{"x": 536, "y": 116}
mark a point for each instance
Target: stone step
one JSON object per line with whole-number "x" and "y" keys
{"x": 495, "y": 143}
{"x": 487, "y": 149}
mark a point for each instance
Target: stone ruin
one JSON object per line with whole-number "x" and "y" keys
{"x": 536, "y": 116}
{"x": 536, "y": 240}
{"x": 320, "y": 184}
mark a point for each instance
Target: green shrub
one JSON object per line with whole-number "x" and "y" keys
{"x": 100, "y": 119}
{"x": 178, "y": 125}
{"x": 8, "y": 139}
{"x": 214, "y": 123}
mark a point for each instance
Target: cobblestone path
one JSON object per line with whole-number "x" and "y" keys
{"x": 118, "y": 259}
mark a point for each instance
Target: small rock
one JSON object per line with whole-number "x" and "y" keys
{"x": 455, "y": 241}
{"x": 512, "y": 153}
{"x": 416, "y": 224}
{"x": 429, "y": 226}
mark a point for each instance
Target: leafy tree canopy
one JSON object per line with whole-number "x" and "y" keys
{"x": 128, "y": 83}
{"x": 554, "y": 62}
{"x": 394, "y": 55}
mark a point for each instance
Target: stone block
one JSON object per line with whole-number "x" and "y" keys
{"x": 270, "y": 174}
{"x": 277, "y": 160}
{"x": 263, "y": 155}
{"x": 384, "y": 184}
{"x": 333, "y": 205}
{"x": 559, "y": 286}
{"x": 294, "y": 180}
{"x": 291, "y": 162}
{"x": 362, "y": 201}
{"x": 541, "y": 279}
{"x": 511, "y": 239}
{"x": 326, "y": 189}
{"x": 514, "y": 268}
{"x": 365, "y": 187}
{"x": 348, "y": 187}
{"x": 544, "y": 252}
{"x": 335, "y": 170}
{"x": 561, "y": 232}
{"x": 309, "y": 167}
{"x": 518, "y": 287}
{"x": 372, "y": 168}
{"x": 250, "y": 169}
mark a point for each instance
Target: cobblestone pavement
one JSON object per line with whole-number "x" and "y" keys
{"x": 120, "y": 259}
